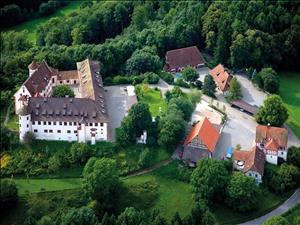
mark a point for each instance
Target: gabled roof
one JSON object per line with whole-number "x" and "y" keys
{"x": 254, "y": 160}
{"x": 267, "y": 133}
{"x": 67, "y": 75}
{"x": 206, "y": 132}
{"x": 183, "y": 57}
{"x": 40, "y": 78}
{"x": 272, "y": 145}
{"x": 221, "y": 76}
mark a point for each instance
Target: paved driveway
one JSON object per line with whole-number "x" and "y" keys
{"x": 292, "y": 201}
{"x": 250, "y": 93}
{"x": 203, "y": 71}
{"x": 118, "y": 104}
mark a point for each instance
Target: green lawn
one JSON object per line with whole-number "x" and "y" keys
{"x": 155, "y": 100}
{"x": 13, "y": 123}
{"x": 32, "y": 25}
{"x": 290, "y": 93}
{"x": 161, "y": 192}
{"x": 45, "y": 185}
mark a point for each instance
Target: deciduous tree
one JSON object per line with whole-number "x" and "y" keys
{"x": 209, "y": 86}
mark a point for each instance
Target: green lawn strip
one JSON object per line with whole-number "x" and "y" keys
{"x": 267, "y": 202}
{"x": 290, "y": 94}
{"x": 32, "y": 25}
{"x": 155, "y": 100}
{"x": 292, "y": 213}
{"x": 44, "y": 185}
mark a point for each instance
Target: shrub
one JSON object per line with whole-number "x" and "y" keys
{"x": 293, "y": 156}
{"x": 29, "y": 138}
{"x": 8, "y": 194}
{"x": 181, "y": 83}
{"x": 80, "y": 153}
{"x": 167, "y": 77}
{"x": 145, "y": 158}
{"x": 63, "y": 91}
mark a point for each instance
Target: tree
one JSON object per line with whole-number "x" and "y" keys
{"x": 272, "y": 112}
{"x": 286, "y": 178}
{"x": 145, "y": 158}
{"x": 190, "y": 74}
{"x": 125, "y": 135}
{"x": 276, "y": 220}
{"x": 8, "y": 194}
{"x": 29, "y": 138}
{"x": 63, "y": 91}
{"x": 101, "y": 181}
{"x": 200, "y": 215}
{"x": 209, "y": 86}
{"x": 242, "y": 192}
{"x": 141, "y": 117}
{"x": 130, "y": 216}
{"x": 171, "y": 129}
{"x": 234, "y": 92}
{"x": 54, "y": 163}
{"x": 293, "y": 156}
{"x": 83, "y": 215}
{"x": 143, "y": 60}
{"x": 176, "y": 220}
{"x": 267, "y": 79}
{"x": 45, "y": 220}
{"x": 174, "y": 93}
{"x": 80, "y": 153}
{"x": 209, "y": 179}
{"x": 183, "y": 105}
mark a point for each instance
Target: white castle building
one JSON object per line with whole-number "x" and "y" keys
{"x": 83, "y": 118}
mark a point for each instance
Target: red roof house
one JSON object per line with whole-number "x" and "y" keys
{"x": 201, "y": 141}
{"x": 177, "y": 59}
{"x": 221, "y": 77}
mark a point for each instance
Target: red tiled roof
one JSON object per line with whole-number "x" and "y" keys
{"x": 39, "y": 79}
{"x": 206, "y": 132}
{"x": 183, "y": 57}
{"x": 254, "y": 159}
{"x": 221, "y": 77}
{"x": 272, "y": 145}
{"x": 267, "y": 133}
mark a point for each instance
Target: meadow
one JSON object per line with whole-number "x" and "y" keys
{"x": 31, "y": 25}
{"x": 290, "y": 94}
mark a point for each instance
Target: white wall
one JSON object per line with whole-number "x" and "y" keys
{"x": 255, "y": 175}
{"x": 24, "y": 125}
{"x": 101, "y": 132}
{"x": 282, "y": 154}
{"x": 22, "y": 91}
{"x": 271, "y": 158}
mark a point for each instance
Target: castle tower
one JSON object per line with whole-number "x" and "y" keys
{"x": 33, "y": 66}
{"x": 25, "y": 124}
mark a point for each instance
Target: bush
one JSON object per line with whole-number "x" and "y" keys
{"x": 198, "y": 84}
{"x": 167, "y": 77}
{"x": 80, "y": 153}
{"x": 293, "y": 156}
{"x": 8, "y": 194}
{"x": 63, "y": 91}
{"x": 181, "y": 83}
{"x": 145, "y": 158}
{"x": 29, "y": 138}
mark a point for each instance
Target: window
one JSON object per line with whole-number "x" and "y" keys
{"x": 39, "y": 122}
{"x": 44, "y": 122}
{"x": 33, "y": 122}
{"x": 27, "y": 117}
{"x": 74, "y": 81}
{"x": 60, "y": 123}
{"x": 70, "y": 123}
{"x": 91, "y": 124}
{"x": 96, "y": 124}
{"x": 65, "y": 123}
{"x": 35, "y": 130}
{"x": 250, "y": 174}
{"x": 68, "y": 131}
{"x": 256, "y": 175}
{"x": 46, "y": 131}
{"x": 53, "y": 80}
{"x": 49, "y": 123}
{"x": 54, "y": 123}
{"x": 101, "y": 124}
{"x": 27, "y": 125}
{"x": 74, "y": 123}
{"x": 75, "y": 131}
{"x": 19, "y": 117}
{"x": 68, "y": 81}
{"x": 50, "y": 131}
{"x": 281, "y": 153}
{"x": 58, "y": 131}
{"x": 60, "y": 82}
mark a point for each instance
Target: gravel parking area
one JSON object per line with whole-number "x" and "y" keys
{"x": 250, "y": 93}
{"x": 118, "y": 104}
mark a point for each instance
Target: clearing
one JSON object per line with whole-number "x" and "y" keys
{"x": 155, "y": 100}
{"x": 290, "y": 94}
{"x": 31, "y": 25}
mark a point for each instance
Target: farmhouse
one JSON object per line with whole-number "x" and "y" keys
{"x": 83, "y": 118}
{"x": 178, "y": 59}
{"x": 250, "y": 162}
{"x": 201, "y": 141}
{"x": 222, "y": 77}
{"x": 273, "y": 141}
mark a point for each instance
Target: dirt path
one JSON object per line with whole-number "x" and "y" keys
{"x": 150, "y": 169}
{"x": 7, "y": 115}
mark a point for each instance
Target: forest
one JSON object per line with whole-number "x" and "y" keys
{"x": 127, "y": 36}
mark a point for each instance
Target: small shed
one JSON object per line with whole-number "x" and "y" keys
{"x": 245, "y": 107}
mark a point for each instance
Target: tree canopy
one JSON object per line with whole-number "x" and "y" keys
{"x": 209, "y": 86}
{"x": 63, "y": 91}
{"x": 190, "y": 74}
{"x": 234, "y": 91}
{"x": 272, "y": 112}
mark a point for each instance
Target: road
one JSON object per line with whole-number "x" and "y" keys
{"x": 291, "y": 202}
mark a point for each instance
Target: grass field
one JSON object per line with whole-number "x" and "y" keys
{"x": 290, "y": 93}
{"x": 32, "y": 25}
{"x": 44, "y": 185}
{"x": 155, "y": 101}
